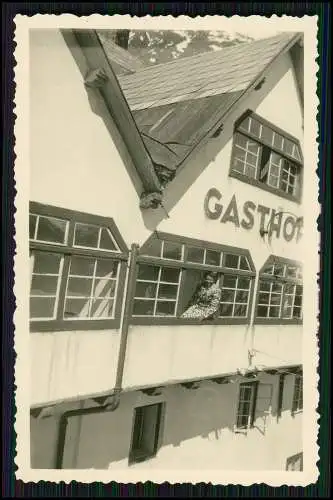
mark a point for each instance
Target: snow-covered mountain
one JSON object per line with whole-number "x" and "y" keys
{"x": 155, "y": 47}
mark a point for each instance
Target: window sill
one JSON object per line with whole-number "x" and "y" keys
{"x": 70, "y": 325}
{"x": 138, "y": 457}
{"x": 296, "y": 412}
{"x": 182, "y": 321}
{"x": 265, "y": 187}
{"x": 277, "y": 321}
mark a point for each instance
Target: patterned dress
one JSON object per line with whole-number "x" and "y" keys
{"x": 205, "y": 303}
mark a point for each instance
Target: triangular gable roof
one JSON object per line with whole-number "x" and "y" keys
{"x": 161, "y": 133}
{"x": 230, "y": 69}
{"x": 176, "y": 104}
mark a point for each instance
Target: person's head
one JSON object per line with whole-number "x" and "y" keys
{"x": 210, "y": 278}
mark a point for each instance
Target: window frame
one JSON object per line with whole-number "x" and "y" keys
{"x": 184, "y": 265}
{"x": 294, "y": 460}
{"x": 298, "y": 394}
{"x": 251, "y": 417}
{"x": 135, "y": 456}
{"x": 297, "y": 197}
{"x": 283, "y": 280}
{"x": 68, "y": 250}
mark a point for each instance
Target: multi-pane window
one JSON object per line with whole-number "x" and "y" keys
{"x": 268, "y": 157}
{"x": 297, "y": 404}
{"x": 91, "y": 288}
{"x": 170, "y": 271}
{"x": 48, "y": 229}
{"x": 235, "y": 296}
{"x": 156, "y": 292}
{"x": 246, "y": 156}
{"x": 280, "y": 290}
{"x": 46, "y": 271}
{"x": 246, "y": 405}
{"x": 76, "y": 260}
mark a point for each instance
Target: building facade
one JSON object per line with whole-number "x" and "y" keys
{"x": 120, "y": 376}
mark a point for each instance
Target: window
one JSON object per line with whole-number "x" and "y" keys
{"x": 156, "y": 292}
{"x": 298, "y": 394}
{"x": 267, "y": 157}
{"x": 246, "y": 405}
{"x": 295, "y": 463}
{"x": 280, "y": 395}
{"x": 280, "y": 291}
{"x": 146, "y": 432}
{"x": 171, "y": 268}
{"x": 77, "y": 270}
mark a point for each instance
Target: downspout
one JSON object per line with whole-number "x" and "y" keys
{"x": 113, "y": 400}
{"x": 126, "y": 319}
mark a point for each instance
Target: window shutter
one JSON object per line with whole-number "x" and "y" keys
{"x": 263, "y": 406}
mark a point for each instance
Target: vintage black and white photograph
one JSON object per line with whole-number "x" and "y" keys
{"x": 166, "y": 175}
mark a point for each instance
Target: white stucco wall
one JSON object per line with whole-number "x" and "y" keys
{"x": 197, "y": 430}
{"x": 78, "y": 162}
{"x": 157, "y": 353}
{"x": 75, "y": 162}
{"x": 281, "y": 107}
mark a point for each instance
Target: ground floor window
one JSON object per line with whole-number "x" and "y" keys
{"x": 246, "y": 405}
{"x": 146, "y": 432}
{"x": 295, "y": 463}
{"x": 298, "y": 394}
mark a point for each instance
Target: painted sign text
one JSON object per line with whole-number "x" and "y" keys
{"x": 272, "y": 222}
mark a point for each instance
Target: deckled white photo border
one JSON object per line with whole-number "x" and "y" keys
{"x": 306, "y": 24}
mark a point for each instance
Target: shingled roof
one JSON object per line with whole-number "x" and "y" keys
{"x": 121, "y": 60}
{"x": 230, "y": 69}
{"x": 176, "y": 104}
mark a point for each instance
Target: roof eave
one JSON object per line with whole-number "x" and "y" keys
{"x": 119, "y": 110}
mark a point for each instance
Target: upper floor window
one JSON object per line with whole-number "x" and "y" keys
{"x": 267, "y": 157}
{"x": 181, "y": 280}
{"x": 280, "y": 291}
{"x": 77, "y": 269}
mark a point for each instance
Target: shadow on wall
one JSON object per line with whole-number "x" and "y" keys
{"x": 204, "y": 412}
{"x": 103, "y": 439}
